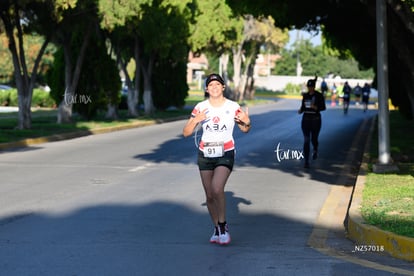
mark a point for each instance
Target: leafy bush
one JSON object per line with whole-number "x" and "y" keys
{"x": 40, "y": 98}
{"x": 293, "y": 89}
{"x": 14, "y": 101}
{"x": 5, "y": 97}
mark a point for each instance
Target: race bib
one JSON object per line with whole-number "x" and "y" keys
{"x": 213, "y": 149}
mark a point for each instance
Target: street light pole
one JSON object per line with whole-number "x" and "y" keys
{"x": 384, "y": 157}
{"x": 382, "y": 71}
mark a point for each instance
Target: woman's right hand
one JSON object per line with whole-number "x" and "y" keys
{"x": 201, "y": 116}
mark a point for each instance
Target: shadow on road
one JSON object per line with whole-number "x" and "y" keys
{"x": 158, "y": 238}
{"x": 151, "y": 239}
{"x": 280, "y": 129}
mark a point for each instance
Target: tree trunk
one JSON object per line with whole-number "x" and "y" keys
{"x": 249, "y": 90}
{"x": 247, "y": 75}
{"x": 148, "y": 103}
{"x": 24, "y": 81}
{"x": 65, "y": 107}
{"x": 132, "y": 101}
{"x": 134, "y": 93}
{"x": 241, "y": 88}
{"x": 112, "y": 112}
{"x": 224, "y": 62}
{"x": 64, "y": 114}
{"x": 147, "y": 73}
{"x": 25, "y": 114}
{"x": 237, "y": 64}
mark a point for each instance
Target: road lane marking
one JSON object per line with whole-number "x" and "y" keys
{"x": 142, "y": 167}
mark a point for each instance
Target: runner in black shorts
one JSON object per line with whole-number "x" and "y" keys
{"x": 205, "y": 163}
{"x": 312, "y": 104}
{"x": 217, "y": 117}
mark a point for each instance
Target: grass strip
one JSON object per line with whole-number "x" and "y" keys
{"x": 388, "y": 198}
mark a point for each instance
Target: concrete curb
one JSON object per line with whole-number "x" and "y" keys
{"x": 368, "y": 237}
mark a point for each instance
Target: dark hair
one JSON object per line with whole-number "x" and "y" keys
{"x": 312, "y": 82}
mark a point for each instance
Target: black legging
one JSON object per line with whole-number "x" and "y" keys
{"x": 310, "y": 128}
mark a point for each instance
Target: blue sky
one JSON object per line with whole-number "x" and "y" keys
{"x": 314, "y": 39}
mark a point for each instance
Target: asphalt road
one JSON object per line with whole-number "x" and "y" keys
{"x": 131, "y": 202}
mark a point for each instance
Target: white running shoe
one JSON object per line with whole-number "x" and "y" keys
{"x": 224, "y": 238}
{"x": 215, "y": 237}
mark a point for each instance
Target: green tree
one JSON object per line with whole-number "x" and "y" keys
{"x": 257, "y": 33}
{"x": 212, "y": 26}
{"x": 151, "y": 28}
{"x": 31, "y": 43}
{"x": 73, "y": 33}
{"x": 55, "y": 78}
{"x": 214, "y": 30}
{"x": 91, "y": 80}
{"x": 120, "y": 20}
{"x": 160, "y": 40}
{"x": 19, "y": 17}
{"x": 170, "y": 68}
{"x": 314, "y": 60}
{"x": 6, "y": 64}
{"x": 350, "y": 27}
{"x": 221, "y": 33}
{"x": 99, "y": 89}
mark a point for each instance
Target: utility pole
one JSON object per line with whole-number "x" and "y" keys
{"x": 384, "y": 157}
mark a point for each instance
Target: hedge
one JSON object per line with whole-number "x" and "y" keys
{"x": 40, "y": 98}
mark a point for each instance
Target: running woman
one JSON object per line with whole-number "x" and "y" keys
{"x": 313, "y": 103}
{"x": 217, "y": 116}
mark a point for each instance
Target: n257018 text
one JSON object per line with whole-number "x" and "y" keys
{"x": 368, "y": 248}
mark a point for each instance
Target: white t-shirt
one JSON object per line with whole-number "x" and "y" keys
{"x": 219, "y": 125}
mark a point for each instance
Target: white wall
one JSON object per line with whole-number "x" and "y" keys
{"x": 278, "y": 83}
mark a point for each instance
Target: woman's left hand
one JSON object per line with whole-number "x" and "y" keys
{"x": 242, "y": 117}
